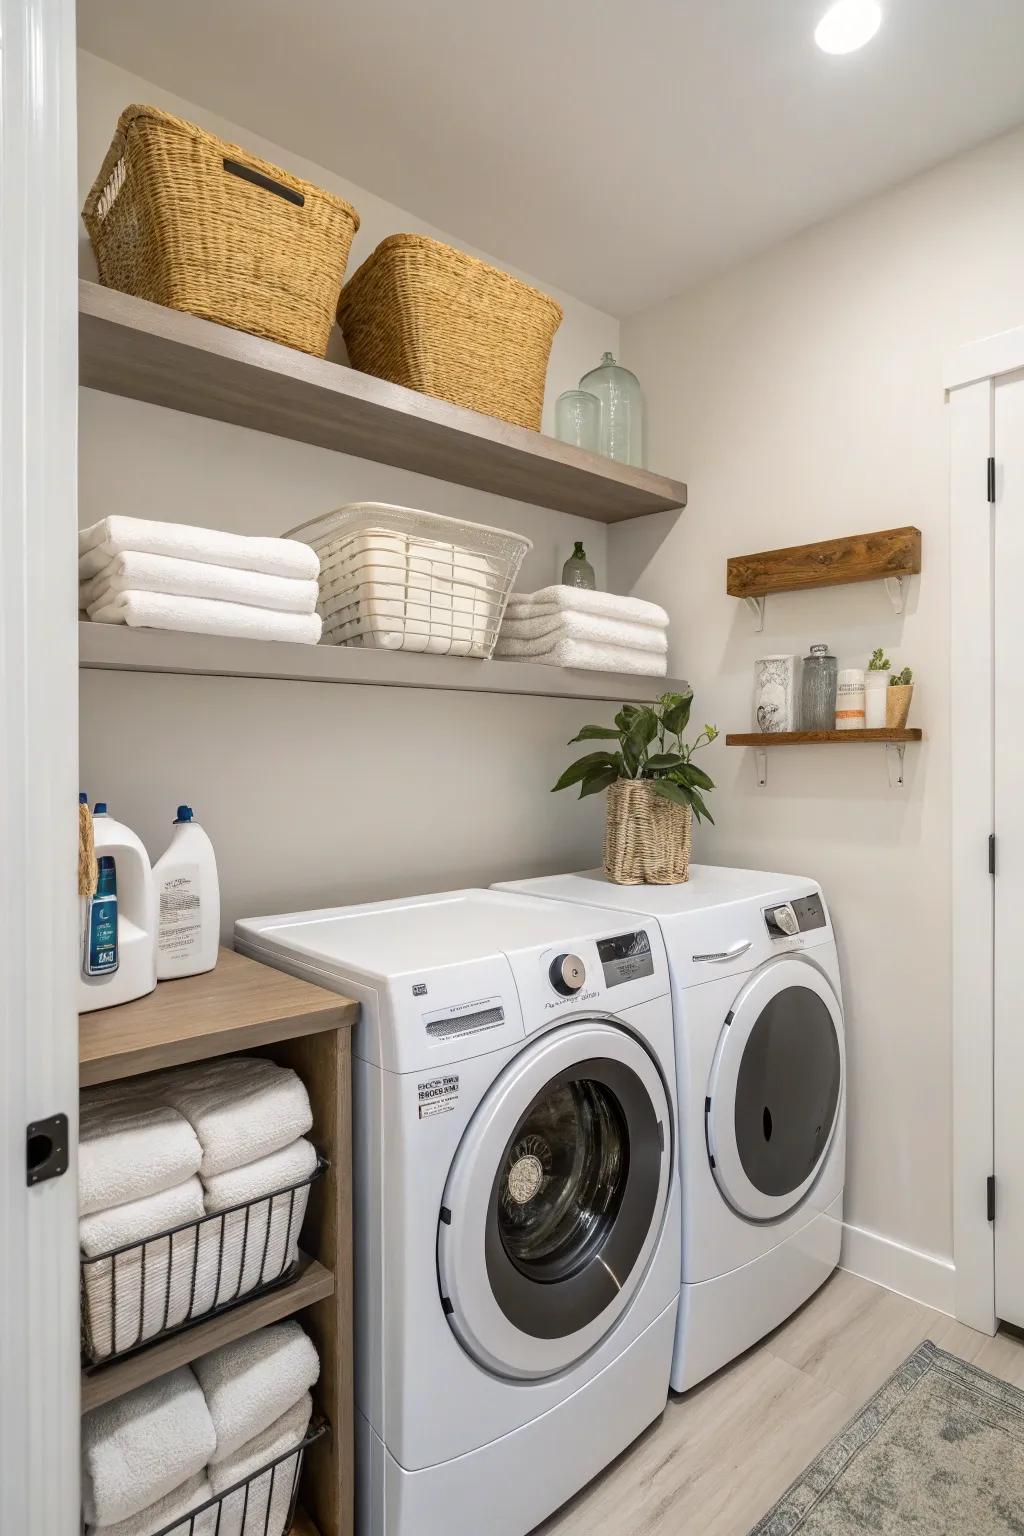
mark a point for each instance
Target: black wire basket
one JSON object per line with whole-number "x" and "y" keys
{"x": 263, "y": 1504}
{"x": 141, "y": 1292}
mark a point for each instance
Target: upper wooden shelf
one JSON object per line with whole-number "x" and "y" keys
{"x": 117, "y": 648}
{"x": 887, "y": 554}
{"x": 130, "y": 347}
{"x": 240, "y": 1005}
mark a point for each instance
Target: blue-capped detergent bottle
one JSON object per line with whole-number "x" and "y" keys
{"x": 119, "y": 940}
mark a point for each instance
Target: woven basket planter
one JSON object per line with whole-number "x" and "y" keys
{"x": 647, "y": 840}
{"x": 184, "y": 219}
{"x": 897, "y": 705}
{"x": 427, "y": 316}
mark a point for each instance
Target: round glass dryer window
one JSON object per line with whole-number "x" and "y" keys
{"x": 787, "y": 1091}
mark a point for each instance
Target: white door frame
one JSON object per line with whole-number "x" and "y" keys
{"x": 971, "y": 377}
{"x": 39, "y": 1325}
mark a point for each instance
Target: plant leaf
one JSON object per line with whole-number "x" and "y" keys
{"x": 661, "y": 760}
{"x": 700, "y": 810}
{"x": 584, "y": 765}
{"x": 669, "y": 790}
{"x": 596, "y": 781}
{"x": 699, "y": 777}
{"x": 596, "y": 733}
{"x": 678, "y": 716}
{"x": 642, "y": 730}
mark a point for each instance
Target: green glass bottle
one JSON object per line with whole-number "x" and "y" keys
{"x": 577, "y": 570}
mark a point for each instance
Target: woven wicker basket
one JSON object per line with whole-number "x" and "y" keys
{"x": 184, "y": 219}
{"x": 647, "y": 840}
{"x": 425, "y": 315}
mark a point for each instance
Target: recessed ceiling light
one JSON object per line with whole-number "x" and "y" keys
{"x": 848, "y": 25}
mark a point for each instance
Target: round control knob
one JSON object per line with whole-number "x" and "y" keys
{"x": 785, "y": 921}
{"x": 568, "y": 973}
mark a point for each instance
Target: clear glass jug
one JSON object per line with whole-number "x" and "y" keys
{"x": 621, "y": 434}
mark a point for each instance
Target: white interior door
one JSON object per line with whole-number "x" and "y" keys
{"x": 39, "y": 1365}
{"x": 1009, "y": 827}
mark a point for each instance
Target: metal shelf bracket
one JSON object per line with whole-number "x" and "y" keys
{"x": 756, "y": 606}
{"x": 896, "y": 591}
{"x": 761, "y": 764}
{"x": 894, "y": 754}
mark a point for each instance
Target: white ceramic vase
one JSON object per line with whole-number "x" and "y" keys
{"x": 775, "y": 694}
{"x": 875, "y": 690}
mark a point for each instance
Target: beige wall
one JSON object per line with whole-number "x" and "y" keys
{"x": 800, "y": 396}
{"x": 315, "y": 794}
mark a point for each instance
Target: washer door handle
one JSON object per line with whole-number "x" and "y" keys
{"x": 719, "y": 955}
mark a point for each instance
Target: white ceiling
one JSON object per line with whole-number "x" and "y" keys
{"x": 617, "y": 150}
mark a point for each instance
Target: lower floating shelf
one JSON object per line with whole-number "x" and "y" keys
{"x": 894, "y": 742}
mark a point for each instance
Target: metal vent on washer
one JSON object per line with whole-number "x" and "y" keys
{"x": 454, "y": 1024}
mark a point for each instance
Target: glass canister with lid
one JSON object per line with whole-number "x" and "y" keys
{"x": 818, "y": 690}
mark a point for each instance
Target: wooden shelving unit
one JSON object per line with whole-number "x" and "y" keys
{"x": 116, "y": 648}
{"x": 244, "y": 1006}
{"x": 891, "y": 556}
{"x": 894, "y": 742}
{"x": 130, "y": 347}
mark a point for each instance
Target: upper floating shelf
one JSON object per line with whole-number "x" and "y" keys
{"x": 878, "y": 556}
{"x": 130, "y": 347}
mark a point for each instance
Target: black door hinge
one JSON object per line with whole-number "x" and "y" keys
{"x": 990, "y": 1197}
{"x": 991, "y": 853}
{"x": 46, "y": 1149}
{"x": 990, "y": 480}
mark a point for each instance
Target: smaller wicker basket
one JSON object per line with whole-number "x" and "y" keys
{"x": 189, "y": 221}
{"x": 427, "y": 316}
{"x": 647, "y": 840}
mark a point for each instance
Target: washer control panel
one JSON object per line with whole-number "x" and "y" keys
{"x": 625, "y": 957}
{"x": 791, "y": 918}
{"x": 567, "y": 973}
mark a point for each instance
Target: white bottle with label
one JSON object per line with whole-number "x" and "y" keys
{"x": 188, "y": 896}
{"x": 118, "y": 959}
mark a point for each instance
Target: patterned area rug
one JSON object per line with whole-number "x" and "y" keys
{"x": 938, "y": 1451}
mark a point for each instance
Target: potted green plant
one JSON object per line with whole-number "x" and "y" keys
{"x": 898, "y": 696}
{"x": 654, "y": 789}
{"x": 876, "y": 684}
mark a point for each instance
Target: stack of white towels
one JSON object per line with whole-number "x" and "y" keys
{"x": 195, "y": 1435}
{"x": 167, "y": 1150}
{"x": 171, "y": 576}
{"x": 573, "y": 627}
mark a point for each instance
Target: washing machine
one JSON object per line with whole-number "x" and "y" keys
{"x": 517, "y": 1224}
{"x": 761, "y": 1064}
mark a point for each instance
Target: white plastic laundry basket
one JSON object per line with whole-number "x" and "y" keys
{"x": 405, "y": 580}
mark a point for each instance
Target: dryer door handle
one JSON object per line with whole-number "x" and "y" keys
{"x": 732, "y": 953}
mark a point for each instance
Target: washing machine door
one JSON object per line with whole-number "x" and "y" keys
{"x": 774, "y": 1096}
{"x": 555, "y": 1200}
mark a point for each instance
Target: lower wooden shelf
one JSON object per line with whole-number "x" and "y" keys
{"x": 762, "y": 739}
{"x": 311, "y": 1283}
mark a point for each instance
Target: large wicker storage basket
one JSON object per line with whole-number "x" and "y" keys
{"x": 425, "y": 315}
{"x": 647, "y": 839}
{"x": 184, "y": 219}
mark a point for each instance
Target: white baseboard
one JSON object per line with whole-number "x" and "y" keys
{"x": 924, "y": 1277}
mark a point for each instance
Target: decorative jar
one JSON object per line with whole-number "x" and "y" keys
{"x": 578, "y": 419}
{"x": 621, "y": 434}
{"x": 818, "y": 690}
{"x": 775, "y": 694}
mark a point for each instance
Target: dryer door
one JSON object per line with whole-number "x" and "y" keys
{"x": 555, "y": 1200}
{"x": 775, "y": 1092}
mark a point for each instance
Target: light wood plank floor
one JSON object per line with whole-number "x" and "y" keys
{"x": 720, "y": 1456}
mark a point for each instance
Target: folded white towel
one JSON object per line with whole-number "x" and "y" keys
{"x": 241, "y": 1108}
{"x": 129, "y": 1147}
{"x": 172, "y": 1506}
{"x": 119, "y": 535}
{"x": 528, "y": 605}
{"x": 564, "y": 624}
{"x": 101, "y": 1231}
{"x": 133, "y": 572}
{"x": 252, "y": 1381}
{"x": 276, "y": 1171}
{"x": 143, "y": 1445}
{"x": 585, "y": 654}
{"x": 273, "y": 1488}
{"x": 205, "y": 616}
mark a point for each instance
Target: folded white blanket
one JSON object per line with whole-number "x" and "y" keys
{"x": 206, "y": 616}
{"x": 241, "y": 1108}
{"x": 245, "y": 1512}
{"x": 144, "y": 1445}
{"x": 276, "y": 1171}
{"x": 528, "y": 605}
{"x": 117, "y": 535}
{"x": 251, "y": 1382}
{"x": 586, "y": 654}
{"x": 565, "y": 624}
{"x": 133, "y": 572}
{"x": 172, "y": 1506}
{"x": 101, "y": 1231}
{"x": 130, "y": 1147}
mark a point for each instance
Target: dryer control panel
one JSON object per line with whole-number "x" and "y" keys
{"x": 789, "y": 918}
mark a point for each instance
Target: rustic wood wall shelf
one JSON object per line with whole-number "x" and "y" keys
{"x": 894, "y": 742}
{"x": 892, "y": 556}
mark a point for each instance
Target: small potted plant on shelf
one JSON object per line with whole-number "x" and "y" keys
{"x": 654, "y": 789}
{"x": 876, "y": 686}
{"x": 898, "y": 696}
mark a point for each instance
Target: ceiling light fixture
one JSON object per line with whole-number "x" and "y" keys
{"x": 848, "y": 25}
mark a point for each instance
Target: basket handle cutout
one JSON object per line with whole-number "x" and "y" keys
{"x": 246, "y": 172}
